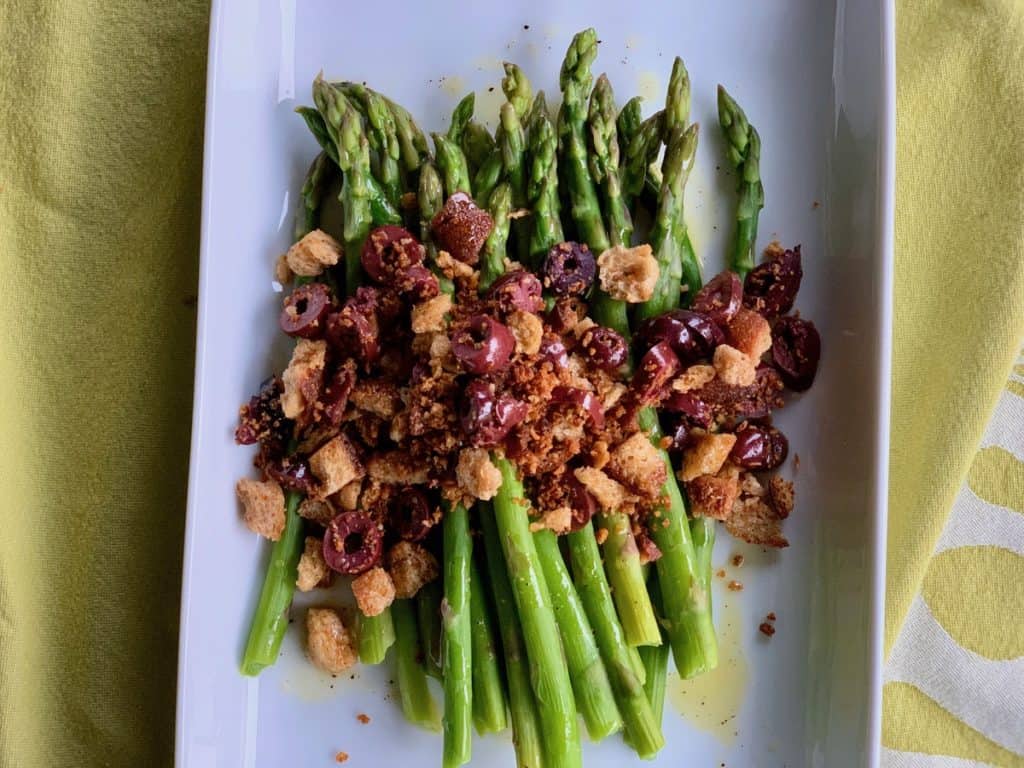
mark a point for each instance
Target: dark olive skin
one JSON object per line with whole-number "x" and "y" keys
{"x": 305, "y": 310}
{"x": 353, "y": 543}
{"x": 483, "y": 345}
{"x": 569, "y": 269}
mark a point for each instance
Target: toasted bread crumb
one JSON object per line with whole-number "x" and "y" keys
{"x": 374, "y": 591}
{"x": 263, "y": 506}
{"x": 312, "y": 253}
{"x": 628, "y": 274}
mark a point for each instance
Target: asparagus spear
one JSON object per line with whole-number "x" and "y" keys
{"x": 477, "y": 145}
{"x": 317, "y": 180}
{"x": 488, "y": 688}
{"x": 417, "y": 703}
{"x": 622, "y": 562}
{"x": 604, "y": 161}
{"x": 643, "y": 732}
{"x": 452, "y": 165}
{"x": 457, "y": 644}
{"x": 428, "y": 615}
{"x": 522, "y": 706}
{"x": 512, "y": 143}
{"x": 411, "y": 141}
{"x": 702, "y": 531}
{"x": 376, "y": 636}
{"x": 383, "y": 140}
{"x": 492, "y": 259}
{"x": 271, "y": 618}
{"x": 517, "y": 89}
{"x": 655, "y": 661}
{"x": 677, "y": 100}
{"x": 590, "y": 684}
{"x": 666, "y": 234}
{"x": 461, "y": 116}
{"x": 640, "y": 153}
{"x": 743, "y": 149}
{"x": 354, "y": 161}
{"x": 488, "y": 177}
{"x": 549, "y": 675}
{"x": 542, "y": 183}
{"x": 628, "y": 122}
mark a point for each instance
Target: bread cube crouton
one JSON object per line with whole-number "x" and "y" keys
{"x": 411, "y": 566}
{"x": 312, "y": 566}
{"x": 374, "y": 591}
{"x": 451, "y": 267}
{"x": 328, "y": 642}
{"x": 396, "y": 468}
{"x": 336, "y": 465}
{"x": 610, "y": 494}
{"x": 312, "y": 253}
{"x": 348, "y": 497}
{"x": 628, "y": 274}
{"x": 476, "y": 474}
{"x": 318, "y": 510}
{"x": 713, "y": 496}
{"x": 558, "y": 520}
{"x": 429, "y": 316}
{"x": 706, "y": 456}
{"x": 694, "y": 377}
{"x": 303, "y": 378}
{"x": 282, "y": 272}
{"x": 754, "y": 521}
{"x": 750, "y": 333}
{"x": 263, "y": 505}
{"x": 638, "y": 465}
{"x": 528, "y": 330}
{"x": 781, "y": 496}
{"x": 734, "y": 367}
{"x": 380, "y": 398}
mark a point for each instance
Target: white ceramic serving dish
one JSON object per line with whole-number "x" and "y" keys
{"x": 817, "y": 80}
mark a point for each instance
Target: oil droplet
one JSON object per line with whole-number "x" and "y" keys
{"x": 454, "y": 86}
{"x": 712, "y": 701}
{"x": 648, "y": 87}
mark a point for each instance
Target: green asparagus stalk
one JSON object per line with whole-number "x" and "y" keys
{"x": 492, "y": 259}
{"x": 271, "y": 618}
{"x": 702, "y": 531}
{"x": 512, "y": 143}
{"x": 311, "y": 196}
{"x": 517, "y": 89}
{"x": 628, "y": 122}
{"x": 549, "y": 674}
{"x": 457, "y": 638}
{"x": 488, "y": 687}
{"x": 376, "y": 636}
{"x": 655, "y": 660}
{"x": 622, "y": 563}
{"x": 677, "y": 100}
{"x": 640, "y": 153}
{"x": 488, "y": 177}
{"x": 461, "y": 116}
{"x": 743, "y": 149}
{"x": 428, "y": 614}
{"x": 477, "y": 145}
{"x": 604, "y": 161}
{"x": 383, "y": 140}
{"x": 417, "y": 703}
{"x": 593, "y": 691}
{"x": 452, "y": 165}
{"x": 354, "y": 161}
{"x": 522, "y": 706}
{"x": 666, "y": 235}
{"x": 542, "y": 183}
{"x": 643, "y": 732}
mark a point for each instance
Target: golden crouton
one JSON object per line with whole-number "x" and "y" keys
{"x": 638, "y": 464}
{"x": 706, "y": 456}
{"x": 429, "y": 315}
{"x": 476, "y": 474}
{"x": 282, "y": 272}
{"x": 303, "y": 376}
{"x": 734, "y": 367}
{"x": 694, "y": 377}
{"x": 397, "y": 468}
{"x": 628, "y": 274}
{"x": 411, "y": 566}
{"x": 312, "y": 566}
{"x": 263, "y": 505}
{"x": 336, "y": 465}
{"x": 329, "y": 644}
{"x": 312, "y": 253}
{"x": 750, "y": 333}
{"x": 713, "y": 496}
{"x": 377, "y": 397}
{"x": 610, "y": 494}
{"x": 528, "y": 330}
{"x": 318, "y": 510}
{"x": 374, "y": 591}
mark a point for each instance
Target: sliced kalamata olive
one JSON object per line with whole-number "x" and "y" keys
{"x": 679, "y": 430}
{"x": 582, "y": 502}
{"x": 771, "y": 286}
{"x": 730, "y": 403}
{"x": 354, "y": 330}
{"x": 417, "y": 282}
{"x": 721, "y": 298}
{"x": 488, "y": 417}
{"x": 390, "y": 251}
{"x": 353, "y": 543}
{"x": 262, "y": 417}
{"x": 694, "y": 410}
{"x": 583, "y": 399}
{"x": 305, "y": 311}
{"x": 651, "y": 378}
{"x": 483, "y": 345}
{"x": 291, "y": 474}
{"x": 796, "y": 349}
{"x": 411, "y": 514}
{"x": 605, "y": 348}
{"x": 553, "y": 350}
{"x": 519, "y": 290}
{"x": 335, "y": 396}
{"x": 569, "y": 269}
{"x": 691, "y": 335}
{"x": 461, "y": 228}
{"x": 566, "y": 313}
{"x": 759, "y": 446}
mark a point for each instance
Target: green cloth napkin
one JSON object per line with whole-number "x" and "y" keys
{"x": 100, "y": 150}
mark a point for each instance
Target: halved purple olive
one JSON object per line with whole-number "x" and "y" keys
{"x": 483, "y": 345}
{"x": 390, "y": 251}
{"x": 688, "y": 406}
{"x": 291, "y": 474}
{"x": 582, "y": 502}
{"x": 417, "y": 282}
{"x": 721, "y": 298}
{"x": 354, "y": 330}
{"x": 652, "y": 376}
{"x": 759, "y": 446}
{"x": 569, "y": 269}
{"x": 335, "y": 395}
{"x": 519, "y": 290}
{"x": 583, "y": 399}
{"x": 353, "y": 543}
{"x": 553, "y": 350}
{"x": 488, "y": 417}
{"x": 262, "y": 417}
{"x": 305, "y": 311}
{"x": 691, "y": 335}
{"x": 605, "y": 348}
{"x": 771, "y": 286}
{"x": 796, "y": 350}
{"x": 410, "y": 514}
{"x": 566, "y": 313}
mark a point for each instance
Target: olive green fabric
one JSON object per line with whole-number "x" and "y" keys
{"x": 100, "y": 157}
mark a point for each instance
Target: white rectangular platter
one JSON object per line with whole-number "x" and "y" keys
{"x": 816, "y": 78}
